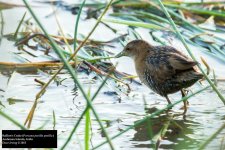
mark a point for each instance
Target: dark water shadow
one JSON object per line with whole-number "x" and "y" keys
{"x": 176, "y": 136}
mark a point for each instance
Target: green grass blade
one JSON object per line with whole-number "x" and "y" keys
{"x": 54, "y": 120}
{"x": 76, "y": 25}
{"x": 70, "y": 70}
{"x": 195, "y": 2}
{"x": 17, "y": 29}
{"x": 113, "y": 3}
{"x": 134, "y": 23}
{"x": 87, "y": 126}
{"x": 160, "y": 135}
{"x": 152, "y": 16}
{"x": 149, "y": 125}
{"x": 83, "y": 113}
{"x": 87, "y": 129}
{"x": 203, "y": 145}
{"x": 189, "y": 51}
{"x": 12, "y": 120}
{"x": 198, "y": 10}
{"x": 152, "y": 115}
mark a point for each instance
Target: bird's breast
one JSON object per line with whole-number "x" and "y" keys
{"x": 146, "y": 77}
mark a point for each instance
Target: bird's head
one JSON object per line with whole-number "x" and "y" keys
{"x": 134, "y": 49}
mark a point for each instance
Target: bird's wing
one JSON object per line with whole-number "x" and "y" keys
{"x": 176, "y": 58}
{"x": 167, "y": 62}
{"x": 159, "y": 67}
{"x": 179, "y": 62}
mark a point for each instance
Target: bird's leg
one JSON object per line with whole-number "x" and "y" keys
{"x": 185, "y": 102}
{"x": 186, "y": 92}
{"x": 168, "y": 100}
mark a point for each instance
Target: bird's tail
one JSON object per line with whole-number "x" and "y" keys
{"x": 198, "y": 75}
{"x": 189, "y": 78}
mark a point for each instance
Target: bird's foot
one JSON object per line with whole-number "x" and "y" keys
{"x": 186, "y": 104}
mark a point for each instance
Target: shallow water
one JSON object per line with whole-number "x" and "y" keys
{"x": 205, "y": 113}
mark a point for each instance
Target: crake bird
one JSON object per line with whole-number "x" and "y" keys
{"x": 163, "y": 69}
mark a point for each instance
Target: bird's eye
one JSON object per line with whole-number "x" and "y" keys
{"x": 128, "y": 48}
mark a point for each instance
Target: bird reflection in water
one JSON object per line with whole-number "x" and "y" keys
{"x": 166, "y": 131}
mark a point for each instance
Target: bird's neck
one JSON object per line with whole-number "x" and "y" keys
{"x": 141, "y": 55}
{"x": 143, "y": 52}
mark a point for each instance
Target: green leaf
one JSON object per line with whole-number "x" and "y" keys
{"x": 135, "y": 24}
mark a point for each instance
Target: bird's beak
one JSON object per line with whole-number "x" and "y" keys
{"x": 120, "y": 54}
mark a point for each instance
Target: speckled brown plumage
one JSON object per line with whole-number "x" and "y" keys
{"x": 162, "y": 68}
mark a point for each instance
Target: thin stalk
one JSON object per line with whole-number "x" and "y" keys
{"x": 54, "y": 119}
{"x": 40, "y": 93}
{"x": 42, "y": 126}
{"x": 198, "y": 10}
{"x": 153, "y": 16}
{"x": 152, "y": 115}
{"x": 133, "y": 4}
{"x": 193, "y": 26}
{"x": 76, "y": 25}
{"x": 32, "y": 64}
{"x": 113, "y": 3}
{"x": 80, "y": 46}
{"x": 87, "y": 126}
{"x": 98, "y": 6}
{"x": 194, "y": 3}
{"x": 135, "y": 23}
{"x": 1, "y": 26}
{"x": 84, "y": 112}
{"x": 93, "y": 29}
{"x": 211, "y": 138}
{"x": 70, "y": 70}
{"x": 189, "y": 51}
{"x": 12, "y": 120}
{"x": 17, "y": 29}
{"x": 160, "y": 135}
{"x": 61, "y": 31}
{"x": 185, "y": 21}
{"x": 149, "y": 125}
{"x": 87, "y": 130}
{"x": 214, "y": 78}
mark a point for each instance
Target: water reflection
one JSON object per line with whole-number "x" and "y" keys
{"x": 169, "y": 131}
